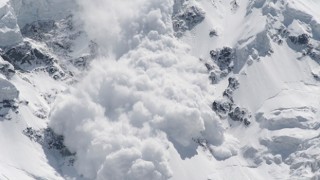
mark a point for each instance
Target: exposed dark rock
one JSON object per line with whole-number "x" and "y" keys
{"x": 223, "y": 58}
{"x": 6, "y": 106}
{"x": 25, "y": 54}
{"x": 6, "y": 69}
{"x": 246, "y": 122}
{"x": 234, "y": 5}
{"x": 213, "y": 33}
{"x": 55, "y": 141}
{"x": 187, "y": 19}
{"x": 9, "y": 104}
{"x": 316, "y": 76}
{"x": 208, "y": 66}
{"x": 312, "y": 52}
{"x": 240, "y": 114}
{"x": 228, "y": 94}
{"x": 48, "y": 139}
{"x": 213, "y": 77}
{"x": 25, "y": 57}
{"x": 226, "y": 106}
{"x": 233, "y": 83}
{"x": 315, "y": 56}
{"x": 293, "y": 39}
{"x": 38, "y": 29}
{"x": 222, "y": 107}
{"x": 283, "y": 32}
{"x": 32, "y": 134}
{"x": 56, "y": 37}
{"x": 302, "y": 39}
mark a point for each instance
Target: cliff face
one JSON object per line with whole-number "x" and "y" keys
{"x": 150, "y": 89}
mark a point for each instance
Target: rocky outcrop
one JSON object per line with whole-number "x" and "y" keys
{"x": 225, "y": 107}
{"x": 27, "y": 57}
{"x": 6, "y": 68}
{"x": 223, "y": 58}
{"x": 48, "y": 139}
{"x": 240, "y": 114}
{"x": 302, "y": 39}
{"x": 187, "y": 18}
{"x": 39, "y": 30}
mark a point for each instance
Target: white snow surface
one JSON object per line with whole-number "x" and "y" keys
{"x": 146, "y": 99}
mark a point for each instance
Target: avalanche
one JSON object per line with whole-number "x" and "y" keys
{"x": 159, "y": 89}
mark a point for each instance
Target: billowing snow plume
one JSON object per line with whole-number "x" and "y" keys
{"x": 142, "y": 95}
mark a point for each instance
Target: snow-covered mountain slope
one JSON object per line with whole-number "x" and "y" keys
{"x": 41, "y": 55}
{"x": 159, "y": 89}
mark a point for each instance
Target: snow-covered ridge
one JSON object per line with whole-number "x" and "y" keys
{"x": 43, "y": 50}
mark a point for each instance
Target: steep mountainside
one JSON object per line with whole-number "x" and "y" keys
{"x": 159, "y": 89}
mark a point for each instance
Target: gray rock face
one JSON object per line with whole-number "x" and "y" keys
{"x": 316, "y": 75}
{"x": 25, "y": 54}
{"x": 313, "y": 53}
{"x": 223, "y": 58}
{"x": 187, "y": 19}
{"x": 233, "y": 85}
{"x": 38, "y": 29}
{"x": 213, "y": 33}
{"x": 302, "y": 39}
{"x": 221, "y": 107}
{"x": 48, "y": 139}
{"x": 52, "y": 55}
{"x": 240, "y": 114}
{"x": 25, "y": 57}
{"x": 227, "y": 108}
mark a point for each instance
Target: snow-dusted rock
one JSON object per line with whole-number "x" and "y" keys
{"x": 301, "y": 39}
{"x": 224, "y": 58}
{"x": 187, "y": 17}
{"x": 9, "y": 30}
{"x": 6, "y": 68}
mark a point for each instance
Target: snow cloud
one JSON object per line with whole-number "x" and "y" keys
{"x": 143, "y": 94}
